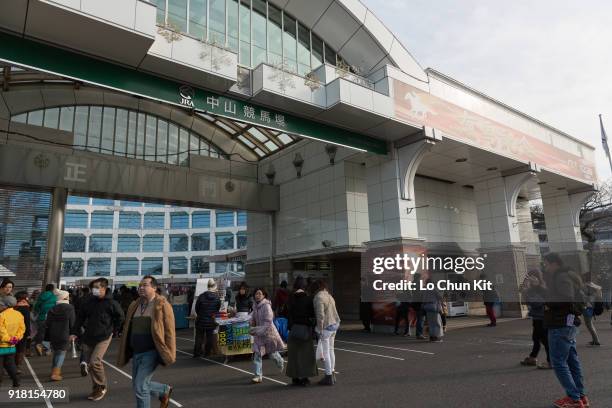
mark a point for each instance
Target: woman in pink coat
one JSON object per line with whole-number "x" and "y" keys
{"x": 267, "y": 339}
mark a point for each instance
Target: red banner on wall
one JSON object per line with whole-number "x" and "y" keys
{"x": 415, "y": 105}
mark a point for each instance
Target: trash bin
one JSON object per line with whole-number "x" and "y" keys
{"x": 180, "y": 316}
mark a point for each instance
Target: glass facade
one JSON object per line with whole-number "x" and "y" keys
{"x": 124, "y": 239}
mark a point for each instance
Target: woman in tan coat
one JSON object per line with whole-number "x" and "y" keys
{"x": 148, "y": 339}
{"x": 328, "y": 322}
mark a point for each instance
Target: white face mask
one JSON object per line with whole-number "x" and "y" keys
{"x": 95, "y": 292}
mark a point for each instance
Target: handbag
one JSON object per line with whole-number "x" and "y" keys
{"x": 300, "y": 332}
{"x": 7, "y": 350}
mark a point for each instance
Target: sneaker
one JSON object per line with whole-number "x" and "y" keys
{"x": 585, "y": 401}
{"x": 256, "y": 380}
{"x": 567, "y": 402}
{"x": 98, "y": 393}
{"x": 84, "y": 369}
{"x": 529, "y": 361}
{"x": 545, "y": 366}
{"x": 491, "y": 324}
{"x": 407, "y": 334}
{"x": 165, "y": 399}
{"x": 421, "y": 337}
{"x": 327, "y": 380}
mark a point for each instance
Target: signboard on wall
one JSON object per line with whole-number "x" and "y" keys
{"x": 417, "y": 106}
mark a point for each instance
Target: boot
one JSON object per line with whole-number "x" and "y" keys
{"x": 327, "y": 380}
{"x": 56, "y": 374}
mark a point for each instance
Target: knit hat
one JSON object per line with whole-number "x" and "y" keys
{"x": 212, "y": 285}
{"x": 7, "y": 301}
{"x": 62, "y": 296}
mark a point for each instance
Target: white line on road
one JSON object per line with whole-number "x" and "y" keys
{"x": 40, "y": 387}
{"x": 232, "y": 367}
{"x": 370, "y": 354}
{"x": 385, "y": 347}
{"x": 130, "y": 377}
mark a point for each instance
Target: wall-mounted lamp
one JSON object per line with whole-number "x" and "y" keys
{"x": 331, "y": 151}
{"x": 270, "y": 174}
{"x": 298, "y": 163}
{"x": 410, "y": 209}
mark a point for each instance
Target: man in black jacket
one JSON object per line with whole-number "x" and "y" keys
{"x": 561, "y": 318}
{"x": 207, "y": 305}
{"x": 99, "y": 316}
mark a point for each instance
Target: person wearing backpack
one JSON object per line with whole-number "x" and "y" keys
{"x": 594, "y": 307}
{"x": 562, "y": 310}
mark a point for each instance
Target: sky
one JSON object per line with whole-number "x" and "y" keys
{"x": 551, "y": 59}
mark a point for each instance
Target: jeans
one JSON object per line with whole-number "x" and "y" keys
{"x": 564, "y": 359}
{"x": 258, "y": 361}
{"x": 8, "y": 362}
{"x": 143, "y": 366}
{"x": 329, "y": 356}
{"x": 58, "y": 358}
{"x": 420, "y": 316}
{"x": 588, "y": 322}
{"x": 402, "y": 313}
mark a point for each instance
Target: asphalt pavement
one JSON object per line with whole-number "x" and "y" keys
{"x": 475, "y": 366}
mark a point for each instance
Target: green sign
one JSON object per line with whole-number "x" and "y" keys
{"x": 54, "y": 60}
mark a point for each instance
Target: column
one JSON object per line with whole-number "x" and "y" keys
{"x": 55, "y": 237}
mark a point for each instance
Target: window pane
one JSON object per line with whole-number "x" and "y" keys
{"x": 199, "y": 265}
{"x": 232, "y": 25}
{"x": 108, "y": 130}
{"x": 103, "y": 201}
{"x": 259, "y": 32}
{"x": 102, "y": 220}
{"x": 128, "y": 243}
{"x": 194, "y": 145}
{"x": 154, "y": 220}
{"x": 95, "y": 128}
{"x": 184, "y": 147}
{"x": 179, "y": 243}
{"x": 140, "y": 136}
{"x": 36, "y": 118}
{"x": 80, "y": 126}
{"x": 200, "y": 242}
{"x": 173, "y": 144}
{"x": 150, "y": 138}
{"x": 242, "y": 218}
{"x": 74, "y": 243}
{"x": 66, "y": 118}
{"x": 127, "y": 267}
{"x": 162, "y": 141}
{"x": 153, "y": 243}
{"x": 179, "y": 220}
{"x": 289, "y": 44}
{"x": 245, "y": 33}
{"x": 178, "y": 266}
{"x": 275, "y": 41}
{"x": 73, "y": 267}
{"x": 330, "y": 55}
{"x": 131, "y": 141}
{"x": 100, "y": 243}
{"x": 241, "y": 237}
{"x": 130, "y": 220}
{"x": 317, "y": 51}
{"x": 177, "y": 14}
{"x": 131, "y": 204}
{"x": 303, "y": 50}
{"x": 78, "y": 200}
{"x": 121, "y": 129}
{"x": 225, "y": 219}
{"x": 98, "y": 267}
{"x": 51, "y": 118}
{"x": 75, "y": 219}
{"x": 21, "y": 118}
{"x": 152, "y": 266}
{"x": 224, "y": 240}
{"x": 200, "y": 219}
{"x": 197, "y": 18}
{"x": 161, "y": 11}
{"x": 217, "y": 22}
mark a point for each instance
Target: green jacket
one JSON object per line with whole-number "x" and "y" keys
{"x": 45, "y": 302}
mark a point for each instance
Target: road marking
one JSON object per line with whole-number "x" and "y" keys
{"x": 385, "y": 347}
{"x": 130, "y": 377}
{"x": 232, "y": 367}
{"x": 185, "y": 338}
{"x": 40, "y": 387}
{"x": 370, "y": 354}
{"x": 514, "y": 343}
{"x": 318, "y": 368}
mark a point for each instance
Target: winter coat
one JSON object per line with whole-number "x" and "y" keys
{"x": 490, "y": 296}
{"x": 44, "y": 303}
{"x": 99, "y": 317}
{"x": 325, "y": 310}
{"x": 535, "y": 297}
{"x": 207, "y": 305}
{"x": 11, "y": 325}
{"x": 162, "y": 331}
{"x": 244, "y": 303}
{"x": 267, "y": 339}
{"x": 281, "y": 297}
{"x": 301, "y": 310}
{"x": 25, "y": 311}
{"x": 563, "y": 289}
{"x": 60, "y": 323}
{"x": 432, "y": 301}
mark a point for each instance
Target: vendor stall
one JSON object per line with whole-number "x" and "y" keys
{"x": 233, "y": 337}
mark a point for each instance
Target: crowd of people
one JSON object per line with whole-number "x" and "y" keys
{"x": 57, "y": 321}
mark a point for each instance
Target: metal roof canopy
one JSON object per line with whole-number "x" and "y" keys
{"x": 49, "y": 59}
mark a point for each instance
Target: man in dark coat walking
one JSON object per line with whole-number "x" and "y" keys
{"x": 207, "y": 305}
